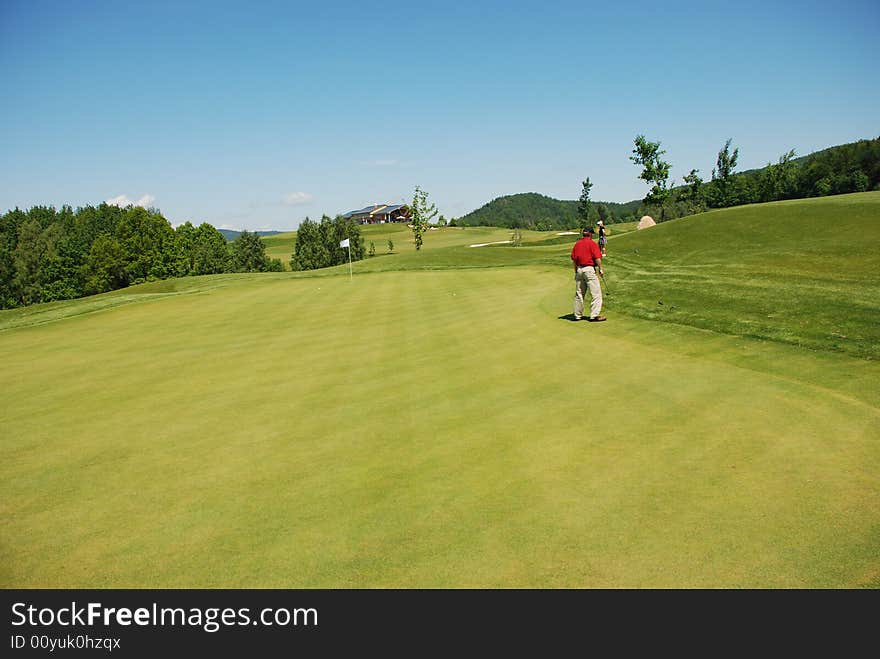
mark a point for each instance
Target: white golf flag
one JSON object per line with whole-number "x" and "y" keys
{"x": 344, "y": 243}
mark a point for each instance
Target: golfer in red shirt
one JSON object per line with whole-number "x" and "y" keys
{"x": 587, "y": 259}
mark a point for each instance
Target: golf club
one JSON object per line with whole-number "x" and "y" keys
{"x": 607, "y": 292}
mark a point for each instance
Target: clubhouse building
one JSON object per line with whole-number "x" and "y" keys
{"x": 380, "y": 214}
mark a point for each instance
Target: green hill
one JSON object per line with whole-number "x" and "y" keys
{"x": 800, "y": 271}
{"x": 412, "y": 425}
{"x": 279, "y": 246}
{"x": 231, "y": 234}
{"x": 536, "y": 211}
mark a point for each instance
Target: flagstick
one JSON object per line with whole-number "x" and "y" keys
{"x": 350, "y": 275}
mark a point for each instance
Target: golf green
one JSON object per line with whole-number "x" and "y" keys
{"x": 425, "y": 428}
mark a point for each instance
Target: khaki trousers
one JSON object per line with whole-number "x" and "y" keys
{"x": 586, "y": 278}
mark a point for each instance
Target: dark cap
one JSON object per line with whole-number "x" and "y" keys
{"x": 588, "y": 231}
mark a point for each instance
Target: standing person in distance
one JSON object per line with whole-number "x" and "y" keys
{"x": 603, "y": 236}
{"x": 587, "y": 260}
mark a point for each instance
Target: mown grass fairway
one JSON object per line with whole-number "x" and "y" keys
{"x": 280, "y": 246}
{"x": 438, "y": 422}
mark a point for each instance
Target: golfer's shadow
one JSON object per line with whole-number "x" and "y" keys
{"x": 568, "y": 316}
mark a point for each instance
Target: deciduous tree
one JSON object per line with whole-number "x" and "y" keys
{"x": 150, "y": 246}
{"x": 654, "y": 171}
{"x": 422, "y": 212}
{"x": 212, "y": 253}
{"x": 29, "y": 255}
{"x": 692, "y": 194}
{"x": 722, "y": 175}
{"x": 105, "y": 266}
{"x": 779, "y": 181}
{"x": 309, "y": 252}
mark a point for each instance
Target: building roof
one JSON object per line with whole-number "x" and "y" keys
{"x": 375, "y": 208}
{"x": 365, "y": 211}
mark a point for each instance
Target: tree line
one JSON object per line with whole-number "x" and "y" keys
{"x": 853, "y": 167}
{"x": 48, "y": 254}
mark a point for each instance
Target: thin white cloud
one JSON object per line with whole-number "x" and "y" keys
{"x": 122, "y": 201}
{"x": 384, "y": 163}
{"x": 297, "y": 199}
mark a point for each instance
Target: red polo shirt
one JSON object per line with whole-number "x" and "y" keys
{"x": 585, "y": 252}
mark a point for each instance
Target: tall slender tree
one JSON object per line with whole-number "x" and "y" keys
{"x": 584, "y": 202}
{"x": 422, "y": 212}
{"x": 723, "y": 173}
{"x": 654, "y": 171}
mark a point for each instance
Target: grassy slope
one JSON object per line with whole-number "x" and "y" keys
{"x": 443, "y": 426}
{"x": 800, "y": 272}
{"x": 280, "y": 246}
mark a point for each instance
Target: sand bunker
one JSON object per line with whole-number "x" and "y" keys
{"x": 497, "y": 242}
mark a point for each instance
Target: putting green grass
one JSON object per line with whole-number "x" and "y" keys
{"x": 426, "y": 429}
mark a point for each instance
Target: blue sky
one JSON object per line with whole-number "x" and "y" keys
{"x": 257, "y": 114}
